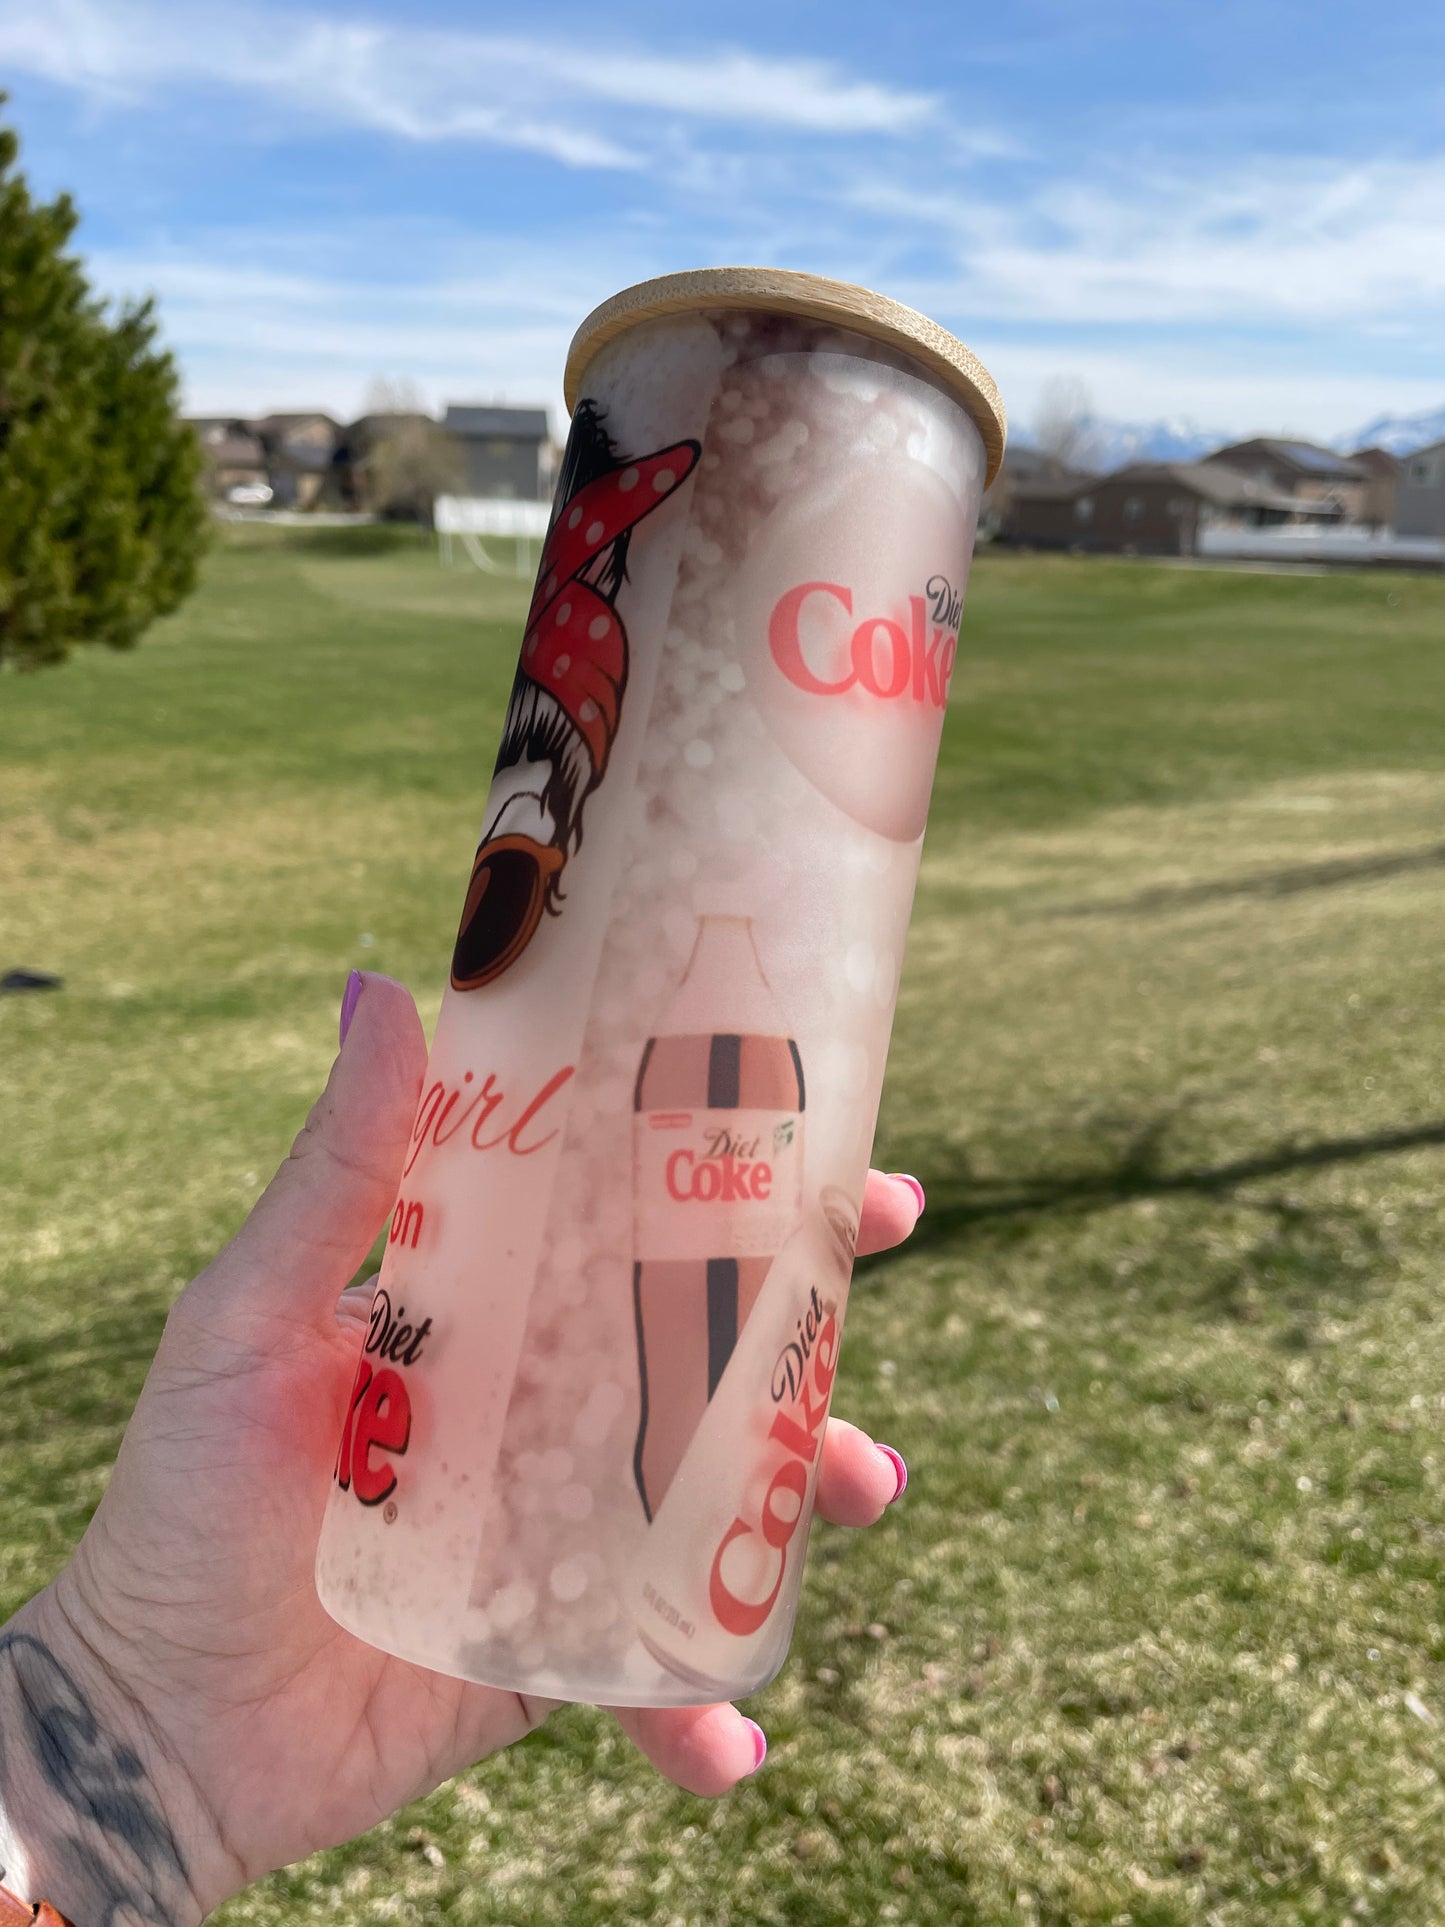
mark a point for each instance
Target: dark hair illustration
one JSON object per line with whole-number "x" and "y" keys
{"x": 538, "y": 730}
{"x": 590, "y": 453}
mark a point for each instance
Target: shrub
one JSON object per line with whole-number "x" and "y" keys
{"x": 102, "y": 523}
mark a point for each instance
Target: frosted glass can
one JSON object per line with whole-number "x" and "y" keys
{"x": 580, "y": 1453}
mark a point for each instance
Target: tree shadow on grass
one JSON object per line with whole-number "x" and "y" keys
{"x": 957, "y": 1203}
{"x": 72, "y": 1391}
{"x": 1269, "y": 884}
{"x": 1305, "y": 1254}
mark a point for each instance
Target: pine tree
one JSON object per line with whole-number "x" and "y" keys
{"x": 102, "y": 521}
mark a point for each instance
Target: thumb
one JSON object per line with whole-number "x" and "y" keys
{"x": 315, "y": 1222}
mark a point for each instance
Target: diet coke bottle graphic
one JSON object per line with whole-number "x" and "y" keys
{"x": 717, "y": 1169}
{"x": 713, "y": 1590}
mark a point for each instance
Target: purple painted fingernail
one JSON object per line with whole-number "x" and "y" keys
{"x": 760, "y": 1742}
{"x": 900, "y": 1470}
{"x": 351, "y": 997}
{"x": 902, "y": 1177}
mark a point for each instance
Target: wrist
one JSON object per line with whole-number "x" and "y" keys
{"x": 94, "y": 1817}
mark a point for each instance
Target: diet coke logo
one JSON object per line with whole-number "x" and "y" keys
{"x": 848, "y": 608}
{"x": 378, "y": 1416}
{"x": 728, "y": 1171}
{"x": 803, "y": 1377}
{"x": 812, "y": 642}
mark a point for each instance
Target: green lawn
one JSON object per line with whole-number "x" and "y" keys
{"x": 1156, "y": 1636}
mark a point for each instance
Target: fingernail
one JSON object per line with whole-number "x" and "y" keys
{"x": 902, "y": 1177}
{"x": 760, "y": 1743}
{"x": 351, "y": 997}
{"x": 900, "y": 1470}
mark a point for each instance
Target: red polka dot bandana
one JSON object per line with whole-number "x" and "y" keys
{"x": 575, "y": 647}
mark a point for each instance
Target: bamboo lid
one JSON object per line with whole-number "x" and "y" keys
{"x": 776, "y": 290}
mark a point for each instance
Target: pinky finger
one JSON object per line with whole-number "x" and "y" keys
{"x": 892, "y": 1206}
{"x": 703, "y": 1749}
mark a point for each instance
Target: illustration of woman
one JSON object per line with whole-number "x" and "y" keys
{"x": 566, "y": 702}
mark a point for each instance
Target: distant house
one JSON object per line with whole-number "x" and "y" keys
{"x": 355, "y": 447}
{"x": 507, "y": 451}
{"x": 1150, "y": 508}
{"x": 1420, "y": 493}
{"x": 283, "y": 461}
{"x": 235, "y": 455}
{"x": 1383, "y": 472}
{"x": 362, "y": 435}
{"x": 307, "y": 460}
{"x": 1301, "y": 469}
{"x": 1023, "y": 468}
{"x": 300, "y": 455}
{"x": 1039, "y": 514}
{"x": 1026, "y": 465}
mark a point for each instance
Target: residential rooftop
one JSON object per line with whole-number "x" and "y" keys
{"x": 489, "y": 419}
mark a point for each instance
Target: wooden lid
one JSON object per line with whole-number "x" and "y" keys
{"x": 775, "y": 290}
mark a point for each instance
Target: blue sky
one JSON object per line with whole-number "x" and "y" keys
{"x": 1234, "y": 212}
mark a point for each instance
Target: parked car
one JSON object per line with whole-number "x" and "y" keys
{"x": 250, "y": 495}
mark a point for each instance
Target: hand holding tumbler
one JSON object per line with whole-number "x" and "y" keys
{"x": 581, "y": 1449}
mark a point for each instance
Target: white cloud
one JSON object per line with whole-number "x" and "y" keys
{"x": 253, "y": 338}
{"x": 257, "y": 336}
{"x": 1304, "y": 241}
{"x": 1303, "y": 291}
{"x": 429, "y": 84}
{"x": 1236, "y": 397}
{"x": 726, "y": 85}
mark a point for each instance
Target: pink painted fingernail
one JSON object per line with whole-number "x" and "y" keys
{"x": 902, "y": 1177}
{"x": 900, "y": 1470}
{"x": 760, "y": 1742}
{"x": 351, "y": 997}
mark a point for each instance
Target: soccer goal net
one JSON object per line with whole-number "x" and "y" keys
{"x": 498, "y": 537}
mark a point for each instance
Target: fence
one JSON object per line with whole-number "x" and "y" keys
{"x": 1348, "y": 546}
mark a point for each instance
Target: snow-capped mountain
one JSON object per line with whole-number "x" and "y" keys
{"x": 1400, "y": 434}
{"x": 1173, "y": 439}
{"x": 1105, "y": 444}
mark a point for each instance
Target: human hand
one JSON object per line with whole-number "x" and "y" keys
{"x": 220, "y": 1723}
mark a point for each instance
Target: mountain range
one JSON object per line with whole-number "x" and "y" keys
{"x": 1400, "y": 434}
{"x": 1109, "y": 444}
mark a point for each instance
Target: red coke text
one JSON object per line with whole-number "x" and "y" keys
{"x": 378, "y": 1415}
{"x": 804, "y": 1376}
{"x": 882, "y": 657}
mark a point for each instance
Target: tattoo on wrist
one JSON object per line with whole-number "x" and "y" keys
{"x": 101, "y": 1824}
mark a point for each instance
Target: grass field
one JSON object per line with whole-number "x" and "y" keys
{"x": 1157, "y": 1634}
